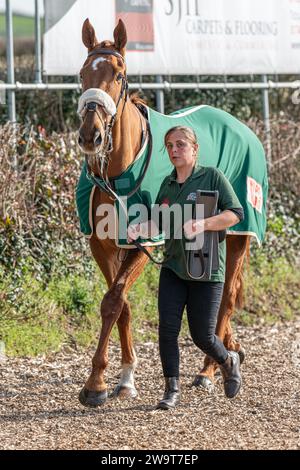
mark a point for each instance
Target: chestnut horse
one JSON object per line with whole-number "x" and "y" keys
{"x": 110, "y": 136}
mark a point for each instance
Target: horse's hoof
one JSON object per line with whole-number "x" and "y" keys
{"x": 203, "y": 382}
{"x": 92, "y": 399}
{"x": 242, "y": 355}
{"x": 123, "y": 392}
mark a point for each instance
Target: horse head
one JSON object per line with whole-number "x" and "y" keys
{"x": 104, "y": 85}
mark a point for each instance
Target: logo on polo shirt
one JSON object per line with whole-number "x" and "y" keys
{"x": 191, "y": 197}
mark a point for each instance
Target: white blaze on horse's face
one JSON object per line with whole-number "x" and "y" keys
{"x": 96, "y": 62}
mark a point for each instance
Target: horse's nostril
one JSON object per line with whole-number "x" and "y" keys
{"x": 97, "y": 138}
{"x": 92, "y": 141}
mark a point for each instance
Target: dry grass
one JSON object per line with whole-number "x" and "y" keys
{"x": 284, "y": 167}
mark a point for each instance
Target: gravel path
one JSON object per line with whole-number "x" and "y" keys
{"x": 40, "y": 410}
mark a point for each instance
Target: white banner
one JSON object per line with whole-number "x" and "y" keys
{"x": 181, "y": 36}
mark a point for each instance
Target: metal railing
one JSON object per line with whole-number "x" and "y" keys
{"x": 164, "y": 86}
{"x": 161, "y": 85}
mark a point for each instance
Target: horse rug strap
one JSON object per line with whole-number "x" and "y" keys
{"x": 201, "y": 262}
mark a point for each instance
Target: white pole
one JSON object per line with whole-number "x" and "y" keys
{"x": 38, "y": 48}
{"x": 266, "y": 115}
{"x": 11, "y": 98}
{"x": 10, "y": 62}
{"x": 160, "y": 97}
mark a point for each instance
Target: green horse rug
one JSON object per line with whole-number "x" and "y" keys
{"x": 225, "y": 143}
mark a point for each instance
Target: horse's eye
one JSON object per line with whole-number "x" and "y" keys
{"x": 119, "y": 77}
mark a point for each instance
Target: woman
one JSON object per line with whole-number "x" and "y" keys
{"x": 201, "y": 298}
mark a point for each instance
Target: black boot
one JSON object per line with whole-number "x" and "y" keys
{"x": 172, "y": 394}
{"x": 231, "y": 374}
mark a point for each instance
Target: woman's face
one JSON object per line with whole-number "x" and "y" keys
{"x": 182, "y": 152}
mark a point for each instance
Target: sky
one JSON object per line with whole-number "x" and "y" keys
{"x": 25, "y": 7}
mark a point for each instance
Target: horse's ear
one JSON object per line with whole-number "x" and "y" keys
{"x": 88, "y": 35}
{"x": 120, "y": 37}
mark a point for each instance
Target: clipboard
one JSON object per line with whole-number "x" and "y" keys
{"x": 200, "y": 263}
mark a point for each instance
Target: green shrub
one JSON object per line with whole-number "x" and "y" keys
{"x": 272, "y": 289}
{"x": 31, "y": 339}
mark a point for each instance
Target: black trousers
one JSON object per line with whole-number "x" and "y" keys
{"x": 202, "y": 300}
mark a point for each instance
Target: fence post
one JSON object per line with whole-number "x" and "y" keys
{"x": 38, "y": 48}
{"x": 11, "y": 98}
{"x": 160, "y": 97}
{"x": 266, "y": 115}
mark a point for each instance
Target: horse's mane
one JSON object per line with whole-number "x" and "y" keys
{"x": 139, "y": 102}
{"x": 136, "y": 99}
{"x": 105, "y": 44}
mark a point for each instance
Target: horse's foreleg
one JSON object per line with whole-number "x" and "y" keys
{"x": 236, "y": 250}
{"x": 125, "y": 387}
{"x": 94, "y": 393}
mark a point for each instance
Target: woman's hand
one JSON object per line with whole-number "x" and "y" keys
{"x": 215, "y": 223}
{"x": 193, "y": 227}
{"x": 133, "y": 232}
{"x": 144, "y": 230}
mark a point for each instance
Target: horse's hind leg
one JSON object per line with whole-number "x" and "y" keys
{"x": 231, "y": 344}
{"x": 236, "y": 250}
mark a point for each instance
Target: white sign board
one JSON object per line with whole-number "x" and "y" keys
{"x": 181, "y": 36}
